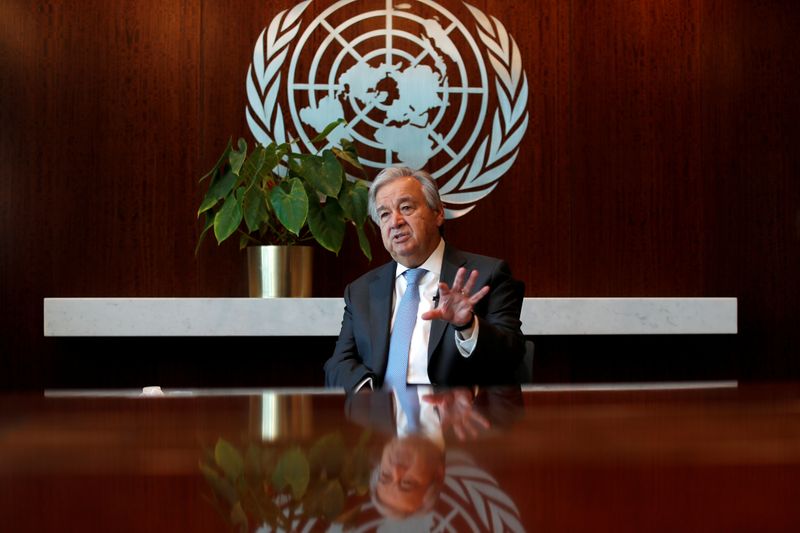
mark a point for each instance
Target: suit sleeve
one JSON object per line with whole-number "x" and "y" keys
{"x": 346, "y": 367}
{"x": 501, "y": 344}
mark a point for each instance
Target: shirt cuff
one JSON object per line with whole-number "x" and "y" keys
{"x": 467, "y": 345}
{"x": 366, "y": 383}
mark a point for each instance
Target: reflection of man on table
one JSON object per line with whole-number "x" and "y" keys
{"x": 410, "y": 475}
{"x": 462, "y": 327}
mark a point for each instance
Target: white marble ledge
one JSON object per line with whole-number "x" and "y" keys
{"x": 211, "y": 317}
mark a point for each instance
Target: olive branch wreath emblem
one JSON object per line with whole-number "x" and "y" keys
{"x": 472, "y": 500}
{"x": 470, "y": 487}
{"x": 472, "y": 181}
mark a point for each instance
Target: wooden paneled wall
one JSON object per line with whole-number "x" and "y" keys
{"x": 661, "y": 159}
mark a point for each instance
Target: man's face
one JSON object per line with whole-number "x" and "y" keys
{"x": 409, "y": 227}
{"x": 409, "y": 466}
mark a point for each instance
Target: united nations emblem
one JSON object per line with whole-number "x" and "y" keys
{"x": 471, "y": 500}
{"x": 411, "y": 81}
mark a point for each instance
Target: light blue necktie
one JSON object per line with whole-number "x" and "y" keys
{"x": 397, "y": 366}
{"x": 409, "y": 403}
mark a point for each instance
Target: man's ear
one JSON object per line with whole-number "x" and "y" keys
{"x": 440, "y": 217}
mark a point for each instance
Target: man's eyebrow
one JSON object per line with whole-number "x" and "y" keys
{"x": 405, "y": 198}
{"x": 400, "y": 200}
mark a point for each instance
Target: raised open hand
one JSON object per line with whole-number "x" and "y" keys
{"x": 456, "y": 411}
{"x": 456, "y": 303}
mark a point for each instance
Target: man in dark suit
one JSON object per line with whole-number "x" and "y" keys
{"x": 462, "y": 336}
{"x": 411, "y": 472}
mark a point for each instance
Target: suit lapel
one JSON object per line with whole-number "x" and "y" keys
{"x": 450, "y": 265}
{"x": 381, "y": 290}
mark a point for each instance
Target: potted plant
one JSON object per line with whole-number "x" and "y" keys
{"x": 282, "y": 484}
{"x": 280, "y": 199}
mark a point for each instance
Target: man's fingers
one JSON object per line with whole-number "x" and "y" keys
{"x": 475, "y": 298}
{"x": 458, "y": 283}
{"x": 433, "y": 314}
{"x": 435, "y": 398}
{"x": 480, "y": 419}
{"x": 455, "y": 301}
{"x": 444, "y": 290}
{"x": 466, "y": 426}
{"x": 473, "y": 277}
{"x": 463, "y": 397}
{"x": 473, "y": 431}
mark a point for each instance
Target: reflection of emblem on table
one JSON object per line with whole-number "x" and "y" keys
{"x": 399, "y": 74}
{"x": 471, "y": 500}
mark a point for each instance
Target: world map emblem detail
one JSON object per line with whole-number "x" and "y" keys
{"x": 411, "y": 81}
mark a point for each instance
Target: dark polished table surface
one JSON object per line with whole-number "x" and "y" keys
{"x": 696, "y": 458}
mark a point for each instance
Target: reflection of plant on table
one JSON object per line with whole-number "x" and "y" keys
{"x": 276, "y": 195}
{"x": 277, "y": 485}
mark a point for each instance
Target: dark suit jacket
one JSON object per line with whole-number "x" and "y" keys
{"x": 363, "y": 346}
{"x": 501, "y": 406}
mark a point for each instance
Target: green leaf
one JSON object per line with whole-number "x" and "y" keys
{"x": 254, "y": 208}
{"x": 218, "y": 189}
{"x": 228, "y": 218}
{"x": 272, "y": 156}
{"x": 229, "y": 459}
{"x": 327, "y": 223}
{"x": 357, "y": 468}
{"x": 237, "y": 158}
{"x": 324, "y": 173}
{"x": 353, "y": 199}
{"x": 282, "y": 150}
{"x": 268, "y": 462}
{"x": 332, "y": 500}
{"x": 328, "y": 454}
{"x": 358, "y": 471}
{"x": 348, "y": 153}
{"x": 246, "y": 240}
{"x": 251, "y": 169}
{"x": 239, "y": 518}
{"x": 363, "y": 242}
{"x": 290, "y": 202}
{"x": 208, "y": 223}
{"x": 220, "y": 162}
{"x": 222, "y": 488}
{"x": 293, "y": 471}
{"x": 252, "y": 463}
{"x": 333, "y": 173}
{"x": 328, "y": 129}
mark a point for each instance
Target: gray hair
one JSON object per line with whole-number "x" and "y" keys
{"x": 388, "y": 175}
{"x": 428, "y": 501}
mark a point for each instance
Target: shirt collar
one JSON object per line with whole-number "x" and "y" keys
{"x": 432, "y": 264}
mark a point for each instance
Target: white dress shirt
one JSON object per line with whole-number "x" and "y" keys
{"x": 428, "y": 289}
{"x": 430, "y": 423}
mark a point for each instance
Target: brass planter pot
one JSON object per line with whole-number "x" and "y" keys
{"x": 279, "y": 271}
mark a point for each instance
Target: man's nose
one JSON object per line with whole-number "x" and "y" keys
{"x": 397, "y": 219}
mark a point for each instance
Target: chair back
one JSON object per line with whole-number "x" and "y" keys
{"x": 524, "y": 373}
